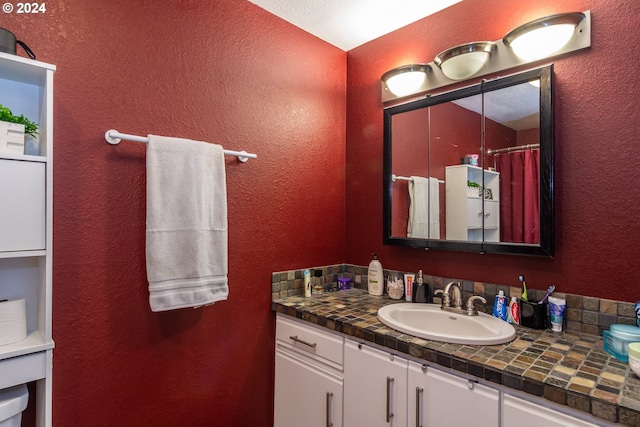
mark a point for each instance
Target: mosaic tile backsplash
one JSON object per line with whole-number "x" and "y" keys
{"x": 583, "y": 314}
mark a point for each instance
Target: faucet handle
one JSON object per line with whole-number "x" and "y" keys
{"x": 471, "y": 309}
{"x": 446, "y": 299}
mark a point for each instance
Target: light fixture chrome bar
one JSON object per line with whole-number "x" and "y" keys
{"x": 502, "y": 58}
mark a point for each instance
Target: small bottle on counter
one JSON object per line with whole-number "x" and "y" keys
{"x": 500, "y": 306}
{"x": 375, "y": 276}
{"x": 307, "y": 283}
{"x": 408, "y": 286}
{"x": 419, "y": 293}
{"x": 513, "y": 316}
{"x": 318, "y": 285}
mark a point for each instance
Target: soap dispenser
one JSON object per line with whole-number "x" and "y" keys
{"x": 420, "y": 293}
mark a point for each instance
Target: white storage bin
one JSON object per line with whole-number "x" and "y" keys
{"x": 12, "y": 402}
{"x": 22, "y": 205}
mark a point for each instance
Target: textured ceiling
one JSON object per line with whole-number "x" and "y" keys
{"x": 350, "y": 23}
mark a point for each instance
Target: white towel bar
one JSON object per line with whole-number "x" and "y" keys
{"x": 395, "y": 177}
{"x": 114, "y": 137}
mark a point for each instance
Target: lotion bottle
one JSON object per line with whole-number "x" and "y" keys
{"x": 307, "y": 283}
{"x": 375, "y": 277}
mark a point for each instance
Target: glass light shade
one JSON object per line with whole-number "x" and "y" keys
{"x": 543, "y": 37}
{"x": 464, "y": 61}
{"x": 405, "y": 80}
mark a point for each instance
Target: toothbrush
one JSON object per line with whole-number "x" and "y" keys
{"x": 524, "y": 288}
{"x": 549, "y": 292}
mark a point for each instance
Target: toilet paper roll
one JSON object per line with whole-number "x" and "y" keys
{"x": 13, "y": 321}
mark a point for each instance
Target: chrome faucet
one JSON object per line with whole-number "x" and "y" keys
{"x": 453, "y": 291}
{"x": 452, "y": 300}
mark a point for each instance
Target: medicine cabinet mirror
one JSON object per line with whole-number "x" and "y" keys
{"x": 472, "y": 169}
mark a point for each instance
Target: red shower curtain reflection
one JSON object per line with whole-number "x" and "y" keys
{"x": 519, "y": 196}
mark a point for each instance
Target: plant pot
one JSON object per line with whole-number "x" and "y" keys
{"x": 11, "y": 138}
{"x": 473, "y": 192}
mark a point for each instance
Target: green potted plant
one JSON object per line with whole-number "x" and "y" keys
{"x": 473, "y": 189}
{"x": 13, "y": 129}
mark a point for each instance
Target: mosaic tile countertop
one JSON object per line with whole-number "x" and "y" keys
{"x": 567, "y": 368}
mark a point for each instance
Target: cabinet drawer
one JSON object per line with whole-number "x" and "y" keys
{"x": 22, "y": 369}
{"x": 22, "y": 210}
{"x": 309, "y": 340}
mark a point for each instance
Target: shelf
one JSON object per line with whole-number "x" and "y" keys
{"x": 24, "y": 70}
{"x": 33, "y": 343}
{"x": 27, "y": 231}
{"x": 23, "y": 157}
{"x": 22, "y": 254}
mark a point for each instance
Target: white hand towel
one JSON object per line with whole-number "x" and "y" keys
{"x": 424, "y": 208}
{"x": 186, "y": 234}
{"x": 434, "y": 208}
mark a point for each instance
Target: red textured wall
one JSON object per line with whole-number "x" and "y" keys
{"x": 221, "y": 71}
{"x": 229, "y": 72}
{"x": 597, "y": 178}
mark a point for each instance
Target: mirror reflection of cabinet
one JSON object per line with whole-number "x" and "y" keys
{"x": 467, "y": 218}
{"x": 505, "y": 128}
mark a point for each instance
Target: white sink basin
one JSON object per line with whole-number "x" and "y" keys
{"x": 429, "y": 321}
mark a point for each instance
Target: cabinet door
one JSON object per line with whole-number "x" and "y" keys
{"x": 443, "y": 399}
{"x": 305, "y": 395}
{"x": 22, "y": 206}
{"x": 491, "y": 214}
{"x": 474, "y": 212}
{"x": 375, "y": 387}
{"x": 521, "y": 413}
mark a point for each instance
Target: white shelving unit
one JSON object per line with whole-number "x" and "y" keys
{"x": 466, "y": 214}
{"x": 26, "y": 202}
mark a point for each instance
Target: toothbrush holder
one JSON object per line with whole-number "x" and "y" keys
{"x": 534, "y": 314}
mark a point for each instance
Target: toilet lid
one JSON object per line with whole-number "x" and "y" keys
{"x": 13, "y": 401}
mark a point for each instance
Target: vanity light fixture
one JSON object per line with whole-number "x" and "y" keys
{"x": 406, "y": 79}
{"x": 543, "y": 37}
{"x": 463, "y": 61}
{"x": 569, "y": 32}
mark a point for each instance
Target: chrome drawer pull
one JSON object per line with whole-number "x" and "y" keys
{"x": 389, "y": 413}
{"x": 329, "y": 397}
{"x": 296, "y": 339}
{"x": 418, "y": 393}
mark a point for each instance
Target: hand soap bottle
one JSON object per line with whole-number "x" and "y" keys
{"x": 419, "y": 293}
{"x": 375, "y": 277}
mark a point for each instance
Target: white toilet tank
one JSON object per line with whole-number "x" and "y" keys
{"x": 13, "y": 401}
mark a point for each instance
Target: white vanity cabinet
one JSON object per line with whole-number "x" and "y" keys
{"x": 308, "y": 379}
{"x": 517, "y": 412}
{"x": 465, "y": 212}
{"x": 325, "y": 380}
{"x": 375, "y": 387}
{"x": 437, "y": 398}
{"x": 26, "y": 201}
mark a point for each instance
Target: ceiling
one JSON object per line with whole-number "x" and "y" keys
{"x": 349, "y": 23}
